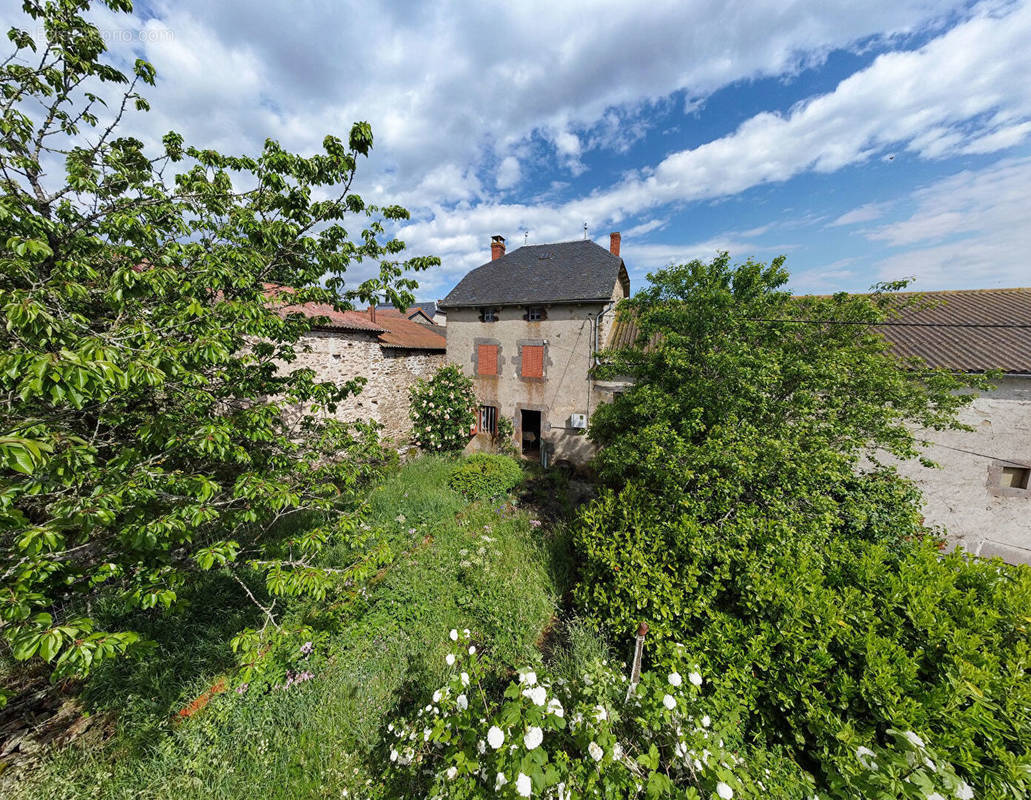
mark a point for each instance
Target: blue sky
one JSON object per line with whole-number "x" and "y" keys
{"x": 866, "y": 141}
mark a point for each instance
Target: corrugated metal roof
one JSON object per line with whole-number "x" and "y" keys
{"x": 405, "y": 333}
{"x": 624, "y": 331}
{"x": 565, "y": 272}
{"x": 945, "y": 334}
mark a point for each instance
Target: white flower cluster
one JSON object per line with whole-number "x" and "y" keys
{"x": 936, "y": 779}
{"x": 483, "y": 557}
{"x": 584, "y": 720}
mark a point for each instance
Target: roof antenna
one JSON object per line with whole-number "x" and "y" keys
{"x": 526, "y": 237}
{"x": 585, "y": 230}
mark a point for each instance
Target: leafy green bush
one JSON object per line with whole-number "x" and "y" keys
{"x": 442, "y": 410}
{"x": 595, "y": 736}
{"x": 825, "y": 636}
{"x": 151, "y": 426}
{"x": 485, "y": 475}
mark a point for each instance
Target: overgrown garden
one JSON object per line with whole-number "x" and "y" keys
{"x": 257, "y": 601}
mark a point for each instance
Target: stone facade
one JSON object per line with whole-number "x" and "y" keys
{"x": 568, "y": 336}
{"x": 340, "y": 356}
{"x": 966, "y": 495}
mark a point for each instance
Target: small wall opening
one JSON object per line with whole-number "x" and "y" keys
{"x": 1015, "y": 477}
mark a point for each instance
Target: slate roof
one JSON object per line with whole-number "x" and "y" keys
{"x": 566, "y": 272}
{"x": 971, "y": 330}
{"x": 429, "y": 308}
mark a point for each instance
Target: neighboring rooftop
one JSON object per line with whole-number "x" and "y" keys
{"x": 408, "y": 334}
{"x": 973, "y": 330}
{"x": 391, "y": 329}
{"x": 539, "y": 274}
{"x": 428, "y": 308}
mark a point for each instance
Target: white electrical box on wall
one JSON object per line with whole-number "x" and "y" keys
{"x": 578, "y": 421}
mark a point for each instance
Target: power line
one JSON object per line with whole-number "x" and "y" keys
{"x": 1007, "y": 325}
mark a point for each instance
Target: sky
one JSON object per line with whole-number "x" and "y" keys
{"x": 866, "y": 141}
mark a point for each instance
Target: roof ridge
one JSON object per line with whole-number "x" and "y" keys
{"x": 967, "y": 291}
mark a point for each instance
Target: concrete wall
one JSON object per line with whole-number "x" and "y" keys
{"x": 340, "y": 356}
{"x": 963, "y": 495}
{"x": 565, "y": 388}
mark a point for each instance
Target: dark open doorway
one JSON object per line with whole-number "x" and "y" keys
{"x": 530, "y": 427}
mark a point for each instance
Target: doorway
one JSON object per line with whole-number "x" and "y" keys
{"x": 530, "y": 433}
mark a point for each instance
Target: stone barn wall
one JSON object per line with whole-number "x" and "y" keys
{"x": 963, "y": 495}
{"x": 340, "y": 356}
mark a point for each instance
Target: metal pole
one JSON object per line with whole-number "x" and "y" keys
{"x": 635, "y": 667}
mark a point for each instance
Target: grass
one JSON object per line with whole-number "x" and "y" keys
{"x": 478, "y": 566}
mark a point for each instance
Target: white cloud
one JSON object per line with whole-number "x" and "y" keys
{"x": 645, "y": 227}
{"x": 452, "y": 90}
{"x": 508, "y": 173}
{"x": 865, "y": 213}
{"x": 965, "y": 227}
{"x": 447, "y": 84}
{"x": 933, "y": 100}
{"x": 646, "y": 257}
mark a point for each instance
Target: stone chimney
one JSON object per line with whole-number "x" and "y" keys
{"x": 497, "y": 247}
{"x": 614, "y": 243}
{"x": 372, "y": 313}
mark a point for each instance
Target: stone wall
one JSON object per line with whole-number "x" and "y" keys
{"x": 340, "y": 356}
{"x": 963, "y": 496}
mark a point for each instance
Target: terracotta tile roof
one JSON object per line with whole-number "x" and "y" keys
{"x": 966, "y": 331}
{"x": 428, "y": 308}
{"x": 336, "y": 320}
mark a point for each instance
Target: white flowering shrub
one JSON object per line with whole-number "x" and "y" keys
{"x": 442, "y": 410}
{"x": 906, "y": 768}
{"x": 557, "y": 739}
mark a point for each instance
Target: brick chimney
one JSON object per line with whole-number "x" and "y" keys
{"x": 614, "y": 243}
{"x": 497, "y": 247}
{"x": 372, "y": 313}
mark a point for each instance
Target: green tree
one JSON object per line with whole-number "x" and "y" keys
{"x": 745, "y": 393}
{"x": 747, "y": 517}
{"x": 144, "y": 366}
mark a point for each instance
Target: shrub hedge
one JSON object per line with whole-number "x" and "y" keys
{"x": 485, "y": 475}
{"x": 826, "y": 637}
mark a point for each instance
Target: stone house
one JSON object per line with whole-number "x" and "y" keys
{"x": 527, "y": 327}
{"x": 982, "y": 493}
{"x": 389, "y": 350}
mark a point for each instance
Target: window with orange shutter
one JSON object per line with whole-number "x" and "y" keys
{"x": 533, "y": 361}
{"x": 487, "y": 359}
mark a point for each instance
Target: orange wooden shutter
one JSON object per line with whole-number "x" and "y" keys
{"x": 533, "y": 361}
{"x": 487, "y": 359}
